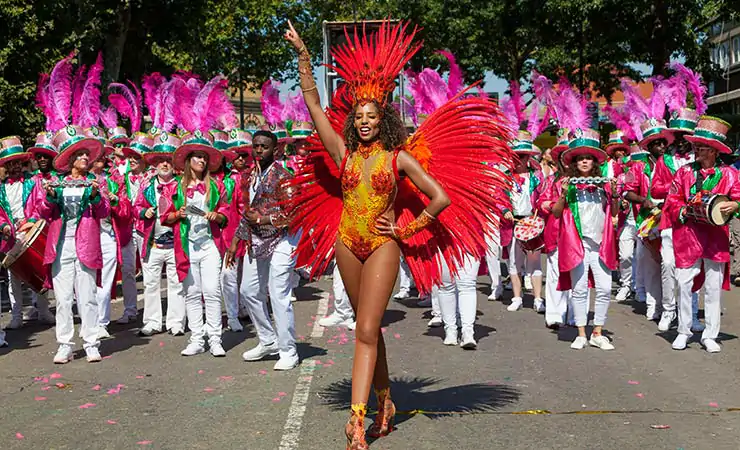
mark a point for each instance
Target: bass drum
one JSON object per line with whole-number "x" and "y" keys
{"x": 26, "y": 259}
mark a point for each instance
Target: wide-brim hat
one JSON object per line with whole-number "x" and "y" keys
{"x": 654, "y": 129}
{"x": 165, "y": 145}
{"x": 240, "y": 141}
{"x": 197, "y": 142}
{"x": 711, "y": 132}
{"x": 616, "y": 142}
{"x": 683, "y": 121}
{"x": 44, "y": 145}
{"x": 140, "y": 144}
{"x": 278, "y": 130}
{"x": 523, "y": 144}
{"x": 11, "y": 149}
{"x": 118, "y": 135}
{"x": 583, "y": 142}
{"x": 71, "y": 139}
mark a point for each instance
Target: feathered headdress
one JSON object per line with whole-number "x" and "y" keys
{"x": 369, "y": 65}
{"x": 201, "y": 107}
{"x": 109, "y": 118}
{"x": 621, "y": 120}
{"x": 161, "y": 101}
{"x": 513, "y": 106}
{"x": 295, "y": 109}
{"x": 693, "y": 85}
{"x": 641, "y": 109}
{"x": 128, "y": 103}
{"x": 429, "y": 89}
{"x": 272, "y": 107}
{"x": 54, "y": 94}
{"x": 571, "y": 108}
{"x": 86, "y": 102}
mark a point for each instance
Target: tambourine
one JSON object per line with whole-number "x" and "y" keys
{"x": 590, "y": 180}
{"x": 68, "y": 183}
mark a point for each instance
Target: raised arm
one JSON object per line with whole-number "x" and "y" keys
{"x": 332, "y": 141}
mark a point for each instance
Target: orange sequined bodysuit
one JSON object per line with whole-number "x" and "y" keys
{"x": 369, "y": 186}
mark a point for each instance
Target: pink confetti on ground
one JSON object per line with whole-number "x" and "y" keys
{"x": 46, "y": 388}
{"x": 282, "y": 394}
{"x": 660, "y": 427}
{"x": 200, "y": 372}
{"x": 19, "y": 436}
{"x": 114, "y": 391}
{"x": 111, "y": 422}
{"x": 107, "y": 357}
{"x": 87, "y": 406}
{"x": 59, "y": 385}
{"x": 139, "y": 377}
{"x": 55, "y": 375}
{"x": 640, "y": 395}
{"x": 161, "y": 344}
{"x": 38, "y": 378}
{"x": 225, "y": 378}
{"x": 208, "y": 389}
{"x": 44, "y": 380}
{"x": 714, "y": 404}
{"x": 96, "y": 387}
{"x": 318, "y": 362}
{"x": 397, "y": 336}
{"x": 39, "y": 399}
{"x": 144, "y": 443}
{"x": 330, "y": 362}
{"x": 633, "y": 382}
{"x": 276, "y": 399}
{"x": 263, "y": 372}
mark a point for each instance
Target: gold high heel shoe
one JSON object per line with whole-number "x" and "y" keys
{"x": 383, "y": 423}
{"x": 355, "y": 428}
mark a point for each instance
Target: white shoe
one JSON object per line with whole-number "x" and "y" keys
{"x": 435, "y": 322}
{"x": 425, "y": 302}
{"x": 177, "y": 331}
{"x": 103, "y": 332}
{"x": 260, "y": 352}
{"x": 579, "y": 343}
{"x": 697, "y": 326}
{"x": 47, "y": 318}
{"x": 93, "y": 355}
{"x": 64, "y": 354}
{"x": 711, "y": 345}
{"x": 468, "y": 341}
{"x": 126, "y": 318}
{"x": 15, "y": 323}
{"x": 286, "y": 363}
{"x": 516, "y": 304}
{"x": 352, "y": 325}
{"x": 539, "y": 305}
{"x": 623, "y": 293}
{"x": 402, "y": 294}
{"x": 601, "y": 342}
{"x": 450, "y": 337}
{"x": 651, "y": 313}
{"x": 148, "y": 330}
{"x": 333, "y": 320}
{"x": 234, "y": 325}
{"x": 217, "y": 349}
{"x": 666, "y": 319}
{"x": 496, "y": 293}
{"x": 528, "y": 282}
{"x": 293, "y": 298}
{"x": 193, "y": 349}
{"x": 31, "y": 314}
{"x": 680, "y": 342}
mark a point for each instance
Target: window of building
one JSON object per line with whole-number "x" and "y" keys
{"x": 735, "y": 50}
{"x": 710, "y": 89}
{"x": 723, "y": 55}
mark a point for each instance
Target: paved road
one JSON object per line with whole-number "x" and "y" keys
{"x": 145, "y": 395}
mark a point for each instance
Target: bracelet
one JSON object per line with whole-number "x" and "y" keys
{"x": 418, "y": 224}
{"x": 314, "y": 88}
{"x": 302, "y": 49}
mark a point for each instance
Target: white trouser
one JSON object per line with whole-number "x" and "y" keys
{"x": 108, "y": 275}
{"x": 342, "y": 305}
{"x": 556, "y": 305}
{"x": 152, "y": 273}
{"x": 493, "y": 253}
{"x": 71, "y": 278}
{"x": 458, "y": 295}
{"x": 521, "y": 262}
{"x": 627, "y": 240}
{"x": 202, "y": 287}
{"x": 579, "y": 294}
{"x": 128, "y": 278}
{"x": 650, "y": 271}
{"x": 668, "y": 270}
{"x": 15, "y": 292}
{"x": 405, "y": 280}
{"x": 272, "y": 275}
{"x": 714, "y": 273}
{"x": 230, "y": 288}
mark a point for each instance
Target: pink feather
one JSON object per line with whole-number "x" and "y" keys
{"x": 537, "y": 125}
{"x": 128, "y": 103}
{"x": 59, "y": 93}
{"x": 674, "y": 92}
{"x": 272, "y": 107}
{"x": 87, "y": 110}
{"x": 78, "y": 84}
{"x": 517, "y": 100}
{"x": 206, "y": 106}
{"x": 571, "y": 108}
{"x": 694, "y": 84}
{"x": 435, "y": 88}
{"x": 42, "y": 99}
{"x": 170, "y": 111}
{"x": 109, "y": 118}
{"x": 638, "y": 108}
{"x": 657, "y": 101}
{"x": 417, "y": 92}
{"x": 187, "y": 90}
{"x": 621, "y": 120}
{"x": 152, "y": 86}
{"x": 455, "y": 80}
{"x": 296, "y": 109}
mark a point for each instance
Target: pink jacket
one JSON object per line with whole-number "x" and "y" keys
{"x": 699, "y": 240}
{"x": 146, "y": 199}
{"x": 31, "y": 208}
{"x": 87, "y": 234}
{"x": 6, "y": 244}
{"x": 232, "y": 210}
{"x": 550, "y": 192}
{"x": 122, "y": 216}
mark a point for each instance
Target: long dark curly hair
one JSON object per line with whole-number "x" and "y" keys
{"x": 392, "y": 131}
{"x": 573, "y": 167}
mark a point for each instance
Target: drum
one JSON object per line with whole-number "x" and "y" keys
{"x": 649, "y": 232}
{"x": 707, "y": 210}
{"x": 26, "y": 259}
{"x": 529, "y": 231}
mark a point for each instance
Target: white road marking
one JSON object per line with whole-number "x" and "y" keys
{"x": 292, "y": 428}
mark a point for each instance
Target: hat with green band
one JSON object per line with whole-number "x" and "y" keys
{"x": 11, "y": 149}
{"x": 653, "y": 129}
{"x": 683, "y": 121}
{"x": 301, "y": 130}
{"x": 165, "y": 145}
{"x": 69, "y": 140}
{"x": 583, "y": 142}
{"x": 278, "y": 129}
{"x": 44, "y": 145}
{"x": 711, "y": 132}
{"x": 140, "y": 144}
{"x": 240, "y": 141}
{"x": 523, "y": 144}
{"x": 197, "y": 141}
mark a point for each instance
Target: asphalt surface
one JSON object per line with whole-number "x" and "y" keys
{"x": 643, "y": 395}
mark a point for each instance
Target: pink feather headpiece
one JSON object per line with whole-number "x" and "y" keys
{"x": 200, "y": 108}
{"x": 161, "y": 101}
{"x": 571, "y": 108}
{"x": 109, "y": 118}
{"x": 694, "y": 85}
{"x": 621, "y": 119}
{"x": 272, "y": 107}
{"x": 86, "y": 102}
{"x": 54, "y": 94}
{"x": 128, "y": 103}
{"x": 513, "y": 106}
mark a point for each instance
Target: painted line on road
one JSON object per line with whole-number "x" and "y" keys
{"x": 294, "y": 423}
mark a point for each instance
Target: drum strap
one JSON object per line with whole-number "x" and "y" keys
{"x": 703, "y": 184}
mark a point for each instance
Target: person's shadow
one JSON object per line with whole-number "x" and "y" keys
{"x": 412, "y": 396}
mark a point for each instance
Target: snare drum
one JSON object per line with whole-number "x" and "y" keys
{"x": 649, "y": 232}
{"x": 529, "y": 231}
{"x": 26, "y": 259}
{"x": 707, "y": 210}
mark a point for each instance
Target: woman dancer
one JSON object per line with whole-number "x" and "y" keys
{"x": 363, "y": 137}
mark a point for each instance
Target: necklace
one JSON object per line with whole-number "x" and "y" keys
{"x": 368, "y": 150}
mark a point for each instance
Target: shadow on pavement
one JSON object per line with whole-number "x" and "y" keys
{"x": 307, "y": 293}
{"x": 392, "y": 316}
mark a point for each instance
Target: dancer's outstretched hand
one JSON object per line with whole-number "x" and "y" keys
{"x": 292, "y": 35}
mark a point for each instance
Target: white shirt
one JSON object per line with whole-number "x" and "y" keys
{"x": 71, "y": 197}
{"x": 591, "y": 206}
{"x": 14, "y": 192}
{"x": 521, "y": 203}
{"x": 199, "y": 228}
{"x": 159, "y": 229}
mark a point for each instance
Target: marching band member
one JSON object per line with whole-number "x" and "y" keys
{"x": 6, "y": 243}
{"x": 588, "y": 214}
{"x": 703, "y": 254}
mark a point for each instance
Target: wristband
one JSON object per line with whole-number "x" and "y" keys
{"x": 418, "y": 224}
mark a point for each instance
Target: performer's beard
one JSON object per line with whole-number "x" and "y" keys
{"x": 164, "y": 173}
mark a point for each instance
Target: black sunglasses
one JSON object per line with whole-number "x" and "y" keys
{"x": 260, "y": 146}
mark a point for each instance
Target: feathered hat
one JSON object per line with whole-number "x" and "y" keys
{"x": 513, "y": 109}
{"x": 199, "y": 109}
{"x": 572, "y": 112}
{"x": 128, "y": 102}
{"x": 160, "y": 98}
{"x": 289, "y": 120}
{"x": 711, "y": 132}
{"x": 429, "y": 90}
{"x": 60, "y": 96}
{"x": 682, "y": 118}
{"x": 648, "y": 113}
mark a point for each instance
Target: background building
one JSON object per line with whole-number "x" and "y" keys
{"x": 724, "y": 90}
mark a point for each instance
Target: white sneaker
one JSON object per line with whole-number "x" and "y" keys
{"x": 697, "y": 326}
{"x": 148, "y": 330}
{"x": 516, "y": 304}
{"x": 93, "y": 355}
{"x": 126, "y": 318}
{"x": 468, "y": 341}
{"x": 286, "y": 363}
{"x": 622, "y": 294}
{"x": 496, "y": 293}
{"x": 539, "y": 305}
{"x": 64, "y": 354}
{"x": 103, "y": 332}
{"x": 402, "y": 294}
{"x": 352, "y": 325}
{"x": 333, "y": 320}
{"x": 435, "y": 322}
{"x": 651, "y": 313}
{"x": 666, "y": 319}
{"x": 680, "y": 342}
{"x": 217, "y": 349}
{"x": 425, "y": 302}
{"x": 450, "y": 337}
{"x": 47, "y": 318}
{"x": 711, "y": 345}
{"x": 601, "y": 342}
{"x": 15, "y": 323}
{"x": 234, "y": 325}
{"x": 31, "y": 314}
{"x": 3, "y": 343}
{"x": 293, "y": 298}
{"x": 193, "y": 349}
{"x": 579, "y": 343}
{"x": 260, "y": 352}
{"x": 528, "y": 282}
